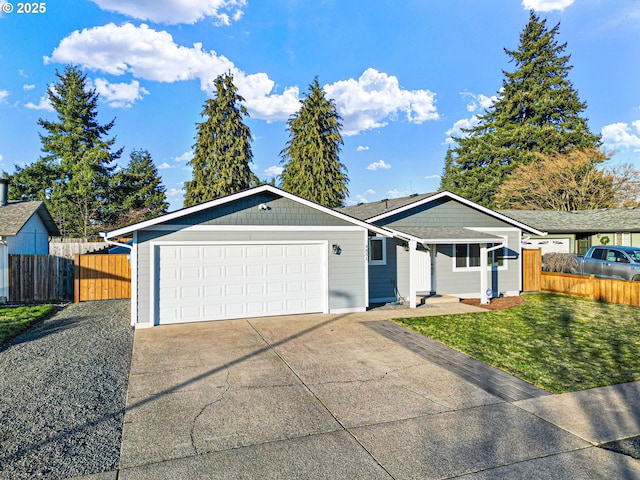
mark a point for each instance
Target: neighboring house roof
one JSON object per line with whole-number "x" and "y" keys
{"x": 374, "y": 211}
{"x": 598, "y": 220}
{"x": 14, "y": 215}
{"x": 237, "y": 196}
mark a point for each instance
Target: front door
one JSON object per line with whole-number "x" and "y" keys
{"x": 423, "y": 271}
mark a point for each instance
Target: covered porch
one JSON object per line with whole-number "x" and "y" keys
{"x": 470, "y": 250}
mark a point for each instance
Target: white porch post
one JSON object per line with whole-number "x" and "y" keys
{"x": 413, "y": 245}
{"x": 484, "y": 298}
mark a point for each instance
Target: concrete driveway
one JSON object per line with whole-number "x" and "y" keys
{"x": 335, "y": 397}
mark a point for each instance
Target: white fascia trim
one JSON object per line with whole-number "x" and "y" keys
{"x": 237, "y": 196}
{"x": 460, "y": 199}
{"x": 443, "y": 241}
{"x": 245, "y": 228}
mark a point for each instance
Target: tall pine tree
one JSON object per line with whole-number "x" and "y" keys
{"x": 78, "y": 159}
{"x": 537, "y": 111}
{"x": 139, "y": 191}
{"x": 223, "y": 147}
{"x": 312, "y": 167}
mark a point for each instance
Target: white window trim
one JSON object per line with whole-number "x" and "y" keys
{"x": 505, "y": 263}
{"x": 383, "y": 261}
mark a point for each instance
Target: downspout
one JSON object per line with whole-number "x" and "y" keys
{"x": 484, "y": 251}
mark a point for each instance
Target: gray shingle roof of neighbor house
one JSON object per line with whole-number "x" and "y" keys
{"x": 14, "y": 215}
{"x": 598, "y": 220}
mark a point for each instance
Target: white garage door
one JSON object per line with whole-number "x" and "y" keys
{"x": 215, "y": 282}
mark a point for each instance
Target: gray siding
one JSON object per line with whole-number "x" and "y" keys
{"x": 390, "y": 281}
{"x": 467, "y": 283}
{"x": 346, "y": 271}
{"x": 246, "y": 211}
{"x": 442, "y": 213}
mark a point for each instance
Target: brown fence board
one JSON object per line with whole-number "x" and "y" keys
{"x": 102, "y": 277}
{"x": 39, "y": 278}
{"x": 531, "y": 268}
{"x": 602, "y": 289}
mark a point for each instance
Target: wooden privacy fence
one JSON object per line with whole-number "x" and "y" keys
{"x": 596, "y": 288}
{"x": 40, "y": 278}
{"x": 101, "y": 277}
{"x": 531, "y": 268}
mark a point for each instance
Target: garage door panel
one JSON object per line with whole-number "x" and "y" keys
{"x": 212, "y": 282}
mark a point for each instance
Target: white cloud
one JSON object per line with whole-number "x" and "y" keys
{"x": 361, "y": 148}
{"x": 3, "y": 95}
{"x": 153, "y": 55}
{"x": 478, "y": 101}
{"x": 28, "y": 87}
{"x": 456, "y": 130}
{"x": 375, "y": 98}
{"x": 395, "y": 193}
{"x": 546, "y": 5}
{"x": 273, "y": 171}
{"x": 144, "y": 53}
{"x": 177, "y": 11}
{"x": 164, "y": 166}
{"x": 379, "y": 165}
{"x": 43, "y": 104}
{"x": 175, "y": 192}
{"x": 621, "y": 136}
{"x": 432, "y": 177}
{"x": 119, "y": 95}
{"x": 185, "y": 157}
{"x": 362, "y": 197}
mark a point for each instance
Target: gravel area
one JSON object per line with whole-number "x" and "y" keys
{"x": 63, "y": 387}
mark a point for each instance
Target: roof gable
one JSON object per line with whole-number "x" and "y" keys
{"x": 221, "y": 211}
{"x": 15, "y": 215}
{"x": 384, "y": 212}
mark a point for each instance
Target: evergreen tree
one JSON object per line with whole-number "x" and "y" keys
{"x": 139, "y": 191}
{"x": 78, "y": 160}
{"x": 223, "y": 147}
{"x": 312, "y": 167}
{"x": 537, "y": 111}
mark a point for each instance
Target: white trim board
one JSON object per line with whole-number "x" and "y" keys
{"x": 237, "y": 196}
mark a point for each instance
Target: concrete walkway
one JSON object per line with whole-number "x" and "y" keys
{"x": 346, "y": 397}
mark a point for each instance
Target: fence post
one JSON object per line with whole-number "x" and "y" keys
{"x": 76, "y": 278}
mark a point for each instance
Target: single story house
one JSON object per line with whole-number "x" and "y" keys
{"x": 576, "y": 231}
{"x": 25, "y": 229}
{"x": 264, "y": 251}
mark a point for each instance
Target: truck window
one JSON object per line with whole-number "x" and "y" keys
{"x": 635, "y": 255}
{"x": 598, "y": 253}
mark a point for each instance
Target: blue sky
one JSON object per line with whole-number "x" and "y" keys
{"x": 405, "y": 76}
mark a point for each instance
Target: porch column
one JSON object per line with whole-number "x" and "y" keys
{"x": 484, "y": 298}
{"x": 413, "y": 245}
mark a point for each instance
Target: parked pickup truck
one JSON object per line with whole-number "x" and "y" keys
{"x": 611, "y": 261}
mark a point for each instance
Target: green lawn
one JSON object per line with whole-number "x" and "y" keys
{"x": 14, "y": 320}
{"x": 556, "y": 342}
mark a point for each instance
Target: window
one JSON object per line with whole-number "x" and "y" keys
{"x": 377, "y": 251}
{"x": 467, "y": 256}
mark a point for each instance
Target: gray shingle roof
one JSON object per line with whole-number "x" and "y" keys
{"x": 363, "y": 211}
{"x": 14, "y": 215}
{"x": 598, "y": 220}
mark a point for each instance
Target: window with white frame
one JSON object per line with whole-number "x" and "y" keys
{"x": 467, "y": 256}
{"x": 377, "y": 251}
